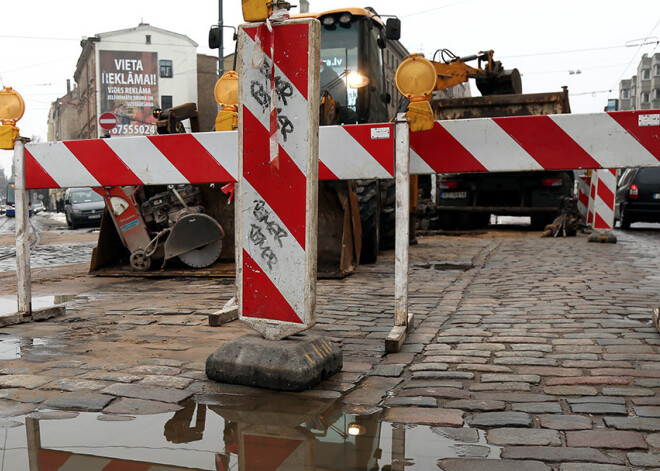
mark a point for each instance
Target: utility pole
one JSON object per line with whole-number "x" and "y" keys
{"x": 221, "y": 49}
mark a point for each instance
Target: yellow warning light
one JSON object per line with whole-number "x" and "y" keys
{"x": 12, "y": 106}
{"x": 8, "y": 135}
{"x": 255, "y": 10}
{"x": 416, "y": 78}
{"x": 226, "y": 90}
{"x": 226, "y": 95}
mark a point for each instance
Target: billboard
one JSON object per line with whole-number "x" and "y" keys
{"x": 129, "y": 90}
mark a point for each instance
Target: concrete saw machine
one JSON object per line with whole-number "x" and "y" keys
{"x": 164, "y": 223}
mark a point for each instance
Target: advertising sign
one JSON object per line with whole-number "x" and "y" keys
{"x": 129, "y": 90}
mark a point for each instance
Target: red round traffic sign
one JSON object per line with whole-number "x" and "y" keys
{"x": 108, "y": 121}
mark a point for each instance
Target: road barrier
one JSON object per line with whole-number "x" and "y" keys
{"x": 277, "y": 216}
{"x": 559, "y": 142}
{"x": 584, "y": 188}
{"x": 604, "y": 193}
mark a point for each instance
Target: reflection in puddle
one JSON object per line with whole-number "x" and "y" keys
{"x": 12, "y": 347}
{"x": 273, "y": 432}
{"x": 8, "y": 305}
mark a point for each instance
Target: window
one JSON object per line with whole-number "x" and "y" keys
{"x": 166, "y": 102}
{"x": 646, "y": 97}
{"x": 166, "y": 69}
{"x": 656, "y": 94}
{"x": 625, "y": 93}
{"x": 657, "y": 69}
{"x": 646, "y": 74}
{"x": 147, "y": 38}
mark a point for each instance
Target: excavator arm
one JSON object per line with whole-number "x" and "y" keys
{"x": 417, "y": 78}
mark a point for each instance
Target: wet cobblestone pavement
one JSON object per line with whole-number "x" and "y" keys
{"x": 532, "y": 354}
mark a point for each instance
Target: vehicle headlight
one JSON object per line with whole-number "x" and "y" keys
{"x": 356, "y": 80}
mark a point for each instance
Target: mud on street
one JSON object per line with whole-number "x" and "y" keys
{"x": 533, "y": 354}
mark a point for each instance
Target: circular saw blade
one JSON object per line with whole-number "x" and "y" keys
{"x": 203, "y": 256}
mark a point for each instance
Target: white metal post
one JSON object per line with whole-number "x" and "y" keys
{"x": 402, "y": 219}
{"x": 434, "y": 188}
{"x": 402, "y": 320}
{"x": 22, "y": 231}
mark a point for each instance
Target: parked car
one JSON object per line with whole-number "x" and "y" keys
{"x": 638, "y": 197}
{"x": 38, "y": 207}
{"x": 83, "y": 207}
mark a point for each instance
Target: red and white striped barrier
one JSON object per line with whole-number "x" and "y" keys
{"x": 527, "y": 143}
{"x": 558, "y": 142}
{"x": 603, "y": 192}
{"x": 278, "y": 176}
{"x": 583, "y": 186}
{"x": 344, "y": 151}
{"x": 55, "y": 460}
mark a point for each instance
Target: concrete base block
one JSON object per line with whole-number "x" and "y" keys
{"x": 603, "y": 237}
{"x": 227, "y": 314}
{"x": 296, "y": 363}
{"x": 48, "y": 313}
{"x": 36, "y": 315}
{"x": 398, "y": 334}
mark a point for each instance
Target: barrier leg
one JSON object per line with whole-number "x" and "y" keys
{"x": 22, "y": 232}
{"x": 604, "y": 206}
{"x": 402, "y": 319}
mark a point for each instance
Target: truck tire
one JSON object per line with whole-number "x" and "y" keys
{"x": 625, "y": 220}
{"x": 387, "y": 214}
{"x": 540, "y": 220}
{"x": 368, "y": 194}
{"x": 480, "y": 220}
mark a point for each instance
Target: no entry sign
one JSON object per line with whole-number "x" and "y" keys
{"x": 108, "y": 121}
{"x": 278, "y": 175}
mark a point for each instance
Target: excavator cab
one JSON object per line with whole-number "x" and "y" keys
{"x": 352, "y": 67}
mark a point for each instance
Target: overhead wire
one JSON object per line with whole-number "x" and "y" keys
{"x": 639, "y": 48}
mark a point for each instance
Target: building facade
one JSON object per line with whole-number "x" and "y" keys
{"x": 642, "y": 91}
{"x": 128, "y": 73}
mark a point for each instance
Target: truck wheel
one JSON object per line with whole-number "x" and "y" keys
{"x": 387, "y": 214}
{"x": 369, "y": 203}
{"x": 625, "y": 220}
{"x": 480, "y": 220}
{"x": 539, "y": 221}
{"x": 447, "y": 220}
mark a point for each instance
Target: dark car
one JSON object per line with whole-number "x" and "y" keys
{"x": 638, "y": 196}
{"x": 83, "y": 207}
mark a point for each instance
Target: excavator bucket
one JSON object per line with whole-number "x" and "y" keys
{"x": 505, "y": 82}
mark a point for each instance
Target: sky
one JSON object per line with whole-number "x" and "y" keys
{"x": 544, "y": 39}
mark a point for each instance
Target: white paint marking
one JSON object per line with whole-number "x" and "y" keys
{"x": 295, "y": 110}
{"x": 605, "y": 140}
{"x": 345, "y": 157}
{"x": 62, "y": 165}
{"x": 146, "y": 161}
{"x": 223, "y": 146}
{"x": 418, "y": 166}
{"x": 288, "y": 272}
{"x": 490, "y": 145}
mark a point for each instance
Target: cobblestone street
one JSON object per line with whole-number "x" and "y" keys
{"x": 540, "y": 353}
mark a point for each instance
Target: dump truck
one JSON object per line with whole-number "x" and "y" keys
{"x": 466, "y": 201}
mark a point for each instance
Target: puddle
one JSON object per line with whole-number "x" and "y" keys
{"x": 9, "y": 305}
{"x": 12, "y": 348}
{"x": 276, "y": 431}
